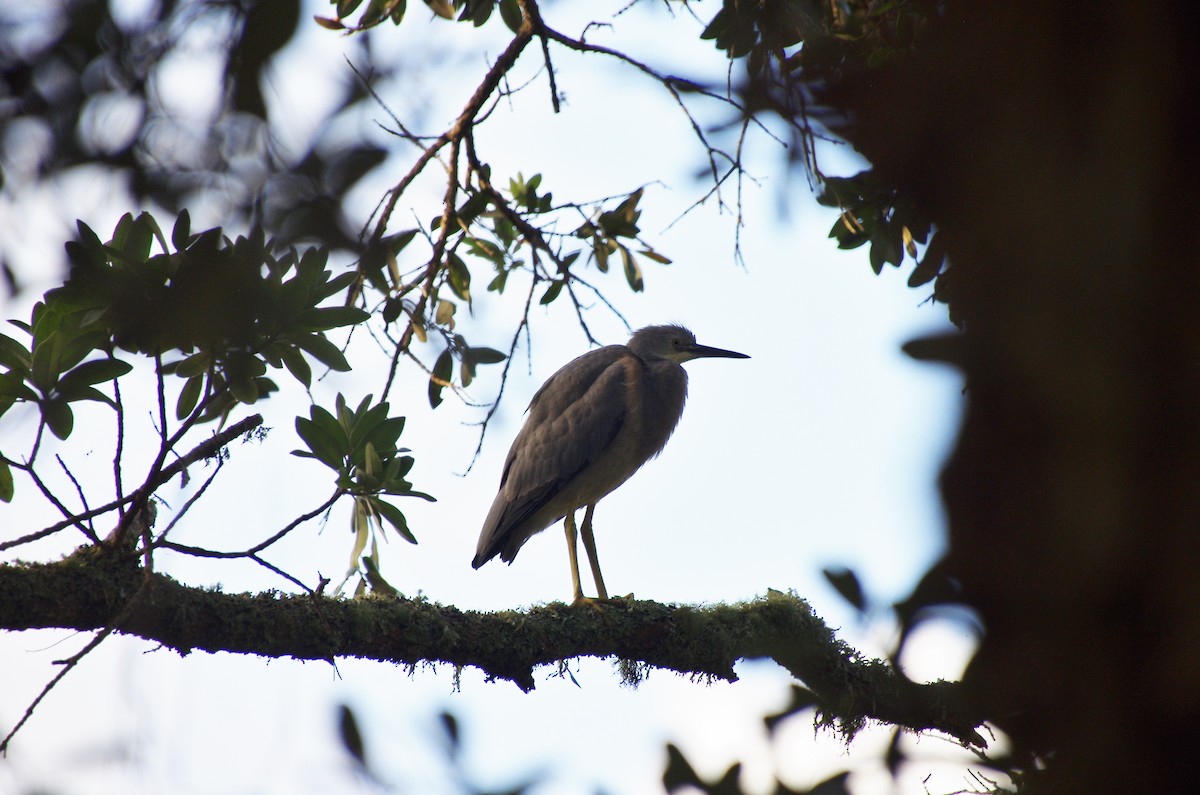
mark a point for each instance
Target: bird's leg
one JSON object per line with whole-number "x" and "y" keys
{"x": 573, "y": 552}
{"x": 589, "y": 546}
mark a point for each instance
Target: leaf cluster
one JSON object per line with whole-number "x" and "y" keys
{"x": 361, "y": 446}
{"x": 476, "y": 12}
{"x": 217, "y": 313}
{"x": 892, "y": 226}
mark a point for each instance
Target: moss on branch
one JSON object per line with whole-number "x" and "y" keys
{"x": 90, "y": 591}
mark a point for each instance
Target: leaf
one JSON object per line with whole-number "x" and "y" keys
{"x": 395, "y": 517}
{"x": 335, "y": 285}
{"x": 378, "y": 584}
{"x": 132, "y": 238}
{"x": 552, "y": 291}
{"x": 909, "y": 244}
{"x": 7, "y": 487}
{"x": 679, "y": 773}
{"x": 350, "y": 735}
{"x": 419, "y": 330}
{"x": 327, "y": 23}
{"x": 510, "y": 13}
{"x": 58, "y": 417}
{"x": 323, "y": 445}
{"x": 296, "y": 364}
{"x": 12, "y": 387}
{"x": 14, "y": 355}
{"x": 846, "y": 583}
{"x": 194, "y": 365}
{"x": 930, "y": 265}
{"x": 443, "y": 8}
{"x": 93, "y": 372}
{"x": 188, "y": 396}
{"x": 245, "y": 389}
{"x": 385, "y": 434}
{"x": 323, "y": 351}
{"x": 47, "y": 355}
{"x": 444, "y": 314}
{"x": 496, "y": 285}
{"x": 654, "y": 255}
{"x": 324, "y": 318}
{"x": 443, "y": 369}
{"x": 460, "y": 276}
{"x": 487, "y": 355}
{"x": 633, "y": 273}
{"x": 361, "y": 525}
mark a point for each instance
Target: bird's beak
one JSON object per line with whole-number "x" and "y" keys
{"x": 698, "y": 351}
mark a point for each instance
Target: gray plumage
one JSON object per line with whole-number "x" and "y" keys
{"x": 590, "y": 427}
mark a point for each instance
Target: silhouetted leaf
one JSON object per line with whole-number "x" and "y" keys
{"x": 350, "y": 735}
{"x": 846, "y": 583}
{"x": 443, "y": 369}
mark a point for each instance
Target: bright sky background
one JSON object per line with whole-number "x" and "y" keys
{"x": 821, "y": 450}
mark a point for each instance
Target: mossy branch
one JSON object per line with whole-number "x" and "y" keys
{"x": 90, "y": 588}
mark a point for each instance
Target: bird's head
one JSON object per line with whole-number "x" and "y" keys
{"x": 676, "y": 344}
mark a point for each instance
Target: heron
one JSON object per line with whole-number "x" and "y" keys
{"x": 590, "y": 427}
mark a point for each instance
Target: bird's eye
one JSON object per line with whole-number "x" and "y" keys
{"x": 674, "y": 342}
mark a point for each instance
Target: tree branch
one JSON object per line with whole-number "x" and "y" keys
{"x": 94, "y": 587}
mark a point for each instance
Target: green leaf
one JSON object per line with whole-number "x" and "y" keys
{"x": 58, "y": 417}
{"x": 510, "y": 13}
{"x": 93, "y": 372}
{"x": 322, "y": 444}
{"x": 14, "y": 355}
{"x": 86, "y": 393}
{"x": 47, "y": 355}
{"x": 633, "y": 273}
{"x": 395, "y": 517}
{"x": 364, "y": 424}
{"x": 12, "y": 387}
{"x": 328, "y": 317}
{"x": 487, "y": 355}
{"x": 552, "y": 291}
{"x": 296, "y": 364}
{"x": 323, "y": 351}
{"x": 443, "y": 369}
{"x": 378, "y": 584}
{"x": 849, "y": 231}
{"x": 601, "y": 248}
{"x": 132, "y": 238}
{"x": 459, "y": 276}
{"x": 496, "y": 285}
{"x": 194, "y": 365}
{"x": 189, "y": 396}
{"x": 245, "y": 389}
{"x": 7, "y": 487}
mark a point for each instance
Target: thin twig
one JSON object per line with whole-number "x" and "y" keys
{"x": 70, "y": 663}
{"x": 205, "y": 449}
{"x": 90, "y": 531}
{"x": 201, "y": 552}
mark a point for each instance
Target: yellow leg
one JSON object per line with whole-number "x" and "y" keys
{"x": 589, "y": 546}
{"x": 569, "y": 526}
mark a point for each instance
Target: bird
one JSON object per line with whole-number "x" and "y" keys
{"x": 589, "y": 428}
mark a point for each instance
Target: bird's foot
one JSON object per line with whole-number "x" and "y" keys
{"x": 601, "y": 603}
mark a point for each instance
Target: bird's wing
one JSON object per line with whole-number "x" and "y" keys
{"x": 572, "y": 420}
